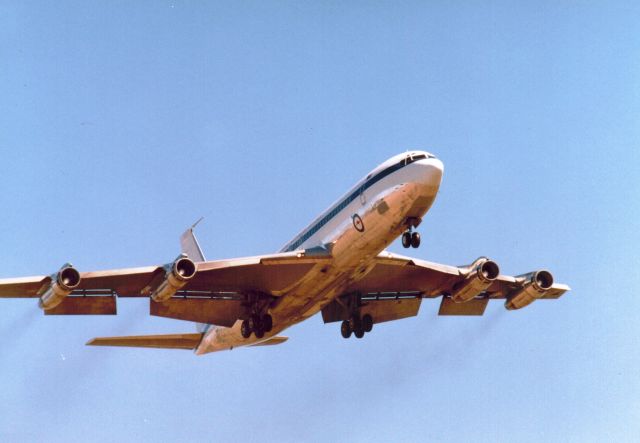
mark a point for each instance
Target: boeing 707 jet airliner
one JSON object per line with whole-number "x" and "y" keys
{"x": 337, "y": 266}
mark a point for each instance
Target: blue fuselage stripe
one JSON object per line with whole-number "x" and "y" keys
{"x": 345, "y": 202}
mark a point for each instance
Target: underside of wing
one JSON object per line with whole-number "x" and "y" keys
{"x": 23, "y": 287}
{"x": 214, "y": 292}
{"x": 465, "y": 290}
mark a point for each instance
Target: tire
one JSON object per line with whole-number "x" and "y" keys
{"x": 406, "y": 240}
{"x": 345, "y": 329}
{"x": 367, "y": 323}
{"x": 245, "y": 329}
{"x": 254, "y": 322}
{"x": 355, "y": 323}
{"x": 259, "y": 333}
{"x": 359, "y": 333}
{"x": 267, "y": 323}
{"x": 415, "y": 240}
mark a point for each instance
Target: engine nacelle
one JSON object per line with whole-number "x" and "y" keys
{"x": 537, "y": 284}
{"x": 477, "y": 281}
{"x": 182, "y": 270}
{"x": 67, "y": 279}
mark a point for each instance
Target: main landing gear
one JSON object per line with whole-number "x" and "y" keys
{"x": 258, "y": 324}
{"x": 357, "y": 326}
{"x": 411, "y": 239}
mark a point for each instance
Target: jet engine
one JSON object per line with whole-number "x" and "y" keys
{"x": 181, "y": 271}
{"x": 536, "y": 285}
{"x": 477, "y": 281}
{"x": 67, "y": 279}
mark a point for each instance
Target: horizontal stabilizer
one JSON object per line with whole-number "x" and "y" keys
{"x": 167, "y": 341}
{"x": 272, "y": 341}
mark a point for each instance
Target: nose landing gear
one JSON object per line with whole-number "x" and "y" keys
{"x": 410, "y": 239}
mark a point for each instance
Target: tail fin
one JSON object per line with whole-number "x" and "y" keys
{"x": 189, "y": 244}
{"x": 167, "y": 341}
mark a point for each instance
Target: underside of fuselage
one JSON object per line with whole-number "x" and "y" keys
{"x": 352, "y": 232}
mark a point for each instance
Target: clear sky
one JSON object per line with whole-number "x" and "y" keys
{"x": 121, "y": 123}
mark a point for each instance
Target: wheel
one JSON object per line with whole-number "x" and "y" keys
{"x": 245, "y": 329}
{"x": 259, "y": 332}
{"x": 355, "y": 323}
{"x": 367, "y": 323}
{"x": 254, "y": 322}
{"x": 406, "y": 239}
{"x": 345, "y": 329}
{"x": 415, "y": 240}
{"x": 359, "y": 333}
{"x": 267, "y": 323}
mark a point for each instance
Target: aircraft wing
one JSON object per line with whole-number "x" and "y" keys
{"x": 22, "y": 287}
{"x": 395, "y": 285}
{"x": 216, "y": 294}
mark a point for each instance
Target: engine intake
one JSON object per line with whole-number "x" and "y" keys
{"x": 67, "y": 279}
{"x": 483, "y": 273}
{"x": 536, "y": 285}
{"x": 180, "y": 272}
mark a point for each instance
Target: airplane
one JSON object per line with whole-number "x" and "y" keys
{"x": 338, "y": 265}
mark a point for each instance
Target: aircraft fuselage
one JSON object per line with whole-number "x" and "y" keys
{"x": 354, "y": 230}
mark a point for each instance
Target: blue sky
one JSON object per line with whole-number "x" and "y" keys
{"x": 122, "y": 123}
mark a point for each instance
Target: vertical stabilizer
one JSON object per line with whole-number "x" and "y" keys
{"x": 189, "y": 244}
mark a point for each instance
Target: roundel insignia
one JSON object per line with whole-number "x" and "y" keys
{"x": 357, "y": 223}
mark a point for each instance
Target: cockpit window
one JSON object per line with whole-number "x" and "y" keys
{"x": 413, "y": 158}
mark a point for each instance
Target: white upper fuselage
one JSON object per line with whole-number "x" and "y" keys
{"x": 353, "y": 230}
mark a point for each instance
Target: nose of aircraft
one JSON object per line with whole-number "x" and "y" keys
{"x": 433, "y": 169}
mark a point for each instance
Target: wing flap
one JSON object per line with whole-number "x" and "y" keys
{"x": 200, "y": 310}
{"x": 380, "y": 310}
{"x": 90, "y": 305}
{"x": 389, "y": 310}
{"x": 165, "y": 341}
{"x": 472, "y": 307}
